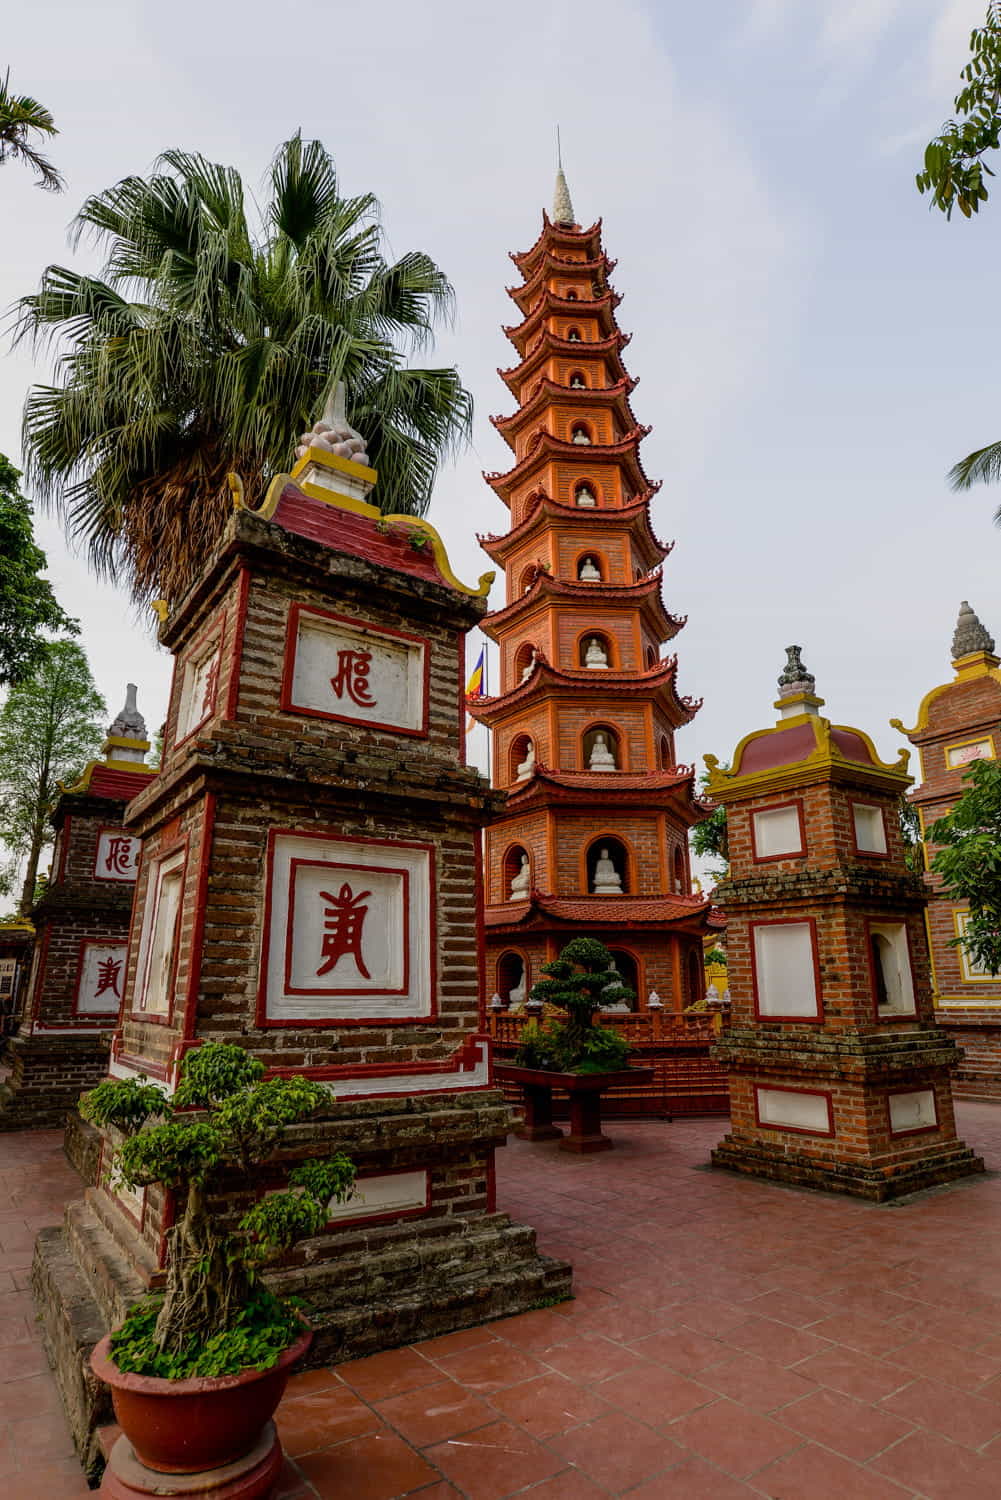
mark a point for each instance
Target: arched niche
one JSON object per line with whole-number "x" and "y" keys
{"x": 512, "y": 977}
{"x": 628, "y": 966}
{"x": 586, "y": 495}
{"x": 696, "y": 978}
{"x": 666, "y": 752}
{"x": 527, "y": 578}
{"x": 522, "y": 749}
{"x": 589, "y": 564}
{"x": 577, "y": 380}
{"x": 524, "y": 656}
{"x": 679, "y": 872}
{"x": 591, "y": 740}
{"x": 585, "y": 648}
{"x": 573, "y": 336}
{"x": 512, "y": 866}
{"x": 620, "y": 858}
{"x": 581, "y": 433}
{"x": 651, "y": 658}
{"x": 570, "y": 295}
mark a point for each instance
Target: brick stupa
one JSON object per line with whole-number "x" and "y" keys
{"x": 959, "y": 722}
{"x": 308, "y": 889}
{"x": 81, "y": 923}
{"x": 839, "y": 1077}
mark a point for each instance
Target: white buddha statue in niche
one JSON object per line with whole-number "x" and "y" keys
{"x": 522, "y": 882}
{"x": 595, "y": 657}
{"x": 586, "y": 498}
{"x": 576, "y": 383}
{"x": 528, "y": 668}
{"x": 587, "y": 572}
{"x": 516, "y": 996}
{"x": 528, "y": 764}
{"x": 607, "y": 880}
{"x": 601, "y": 757}
{"x": 579, "y": 435}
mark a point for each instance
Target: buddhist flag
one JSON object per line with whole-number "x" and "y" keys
{"x": 475, "y": 685}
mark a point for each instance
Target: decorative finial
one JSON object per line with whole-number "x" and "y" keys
{"x": 333, "y": 433}
{"x": 970, "y": 634}
{"x": 130, "y": 724}
{"x": 794, "y": 677}
{"x": 562, "y": 207}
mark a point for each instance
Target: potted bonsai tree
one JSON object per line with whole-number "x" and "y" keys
{"x": 197, "y": 1372}
{"x": 573, "y": 1053}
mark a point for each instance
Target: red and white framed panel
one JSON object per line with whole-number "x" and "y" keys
{"x": 345, "y": 669}
{"x": 349, "y": 930}
{"x": 100, "y": 979}
{"x": 117, "y": 855}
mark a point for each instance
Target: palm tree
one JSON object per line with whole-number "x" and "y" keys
{"x": 981, "y": 467}
{"x": 20, "y": 116}
{"x": 210, "y": 344}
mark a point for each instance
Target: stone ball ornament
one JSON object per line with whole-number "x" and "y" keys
{"x": 339, "y": 439}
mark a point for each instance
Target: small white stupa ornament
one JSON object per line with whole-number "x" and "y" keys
{"x": 334, "y": 436}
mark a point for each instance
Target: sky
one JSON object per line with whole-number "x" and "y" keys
{"x": 815, "y": 347}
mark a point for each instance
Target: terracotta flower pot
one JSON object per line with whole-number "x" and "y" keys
{"x": 184, "y": 1426}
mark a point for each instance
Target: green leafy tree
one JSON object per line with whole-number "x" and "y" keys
{"x": 709, "y": 838}
{"x": 968, "y": 859}
{"x": 224, "y": 1124}
{"x": 955, "y": 174}
{"x": 21, "y": 120}
{"x": 27, "y": 603}
{"x": 209, "y": 344}
{"x": 50, "y": 727}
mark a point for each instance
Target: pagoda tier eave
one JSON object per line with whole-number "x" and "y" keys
{"x": 550, "y": 447}
{"x": 681, "y": 913}
{"x": 611, "y": 790}
{"x": 550, "y": 345}
{"x": 645, "y": 594}
{"x": 616, "y": 395}
{"x": 558, "y": 234}
{"x": 550, "y": 305}
{"x": 544, "y": 507}
{"x": 523, "y": 296}
{"x": 545, "y": 679}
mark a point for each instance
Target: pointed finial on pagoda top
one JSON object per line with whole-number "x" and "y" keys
{"x": 562, "y": 207}
{"x": 126, "y": 740}
{"x": 970, "y": 635}
{"x": 797, "y": 687}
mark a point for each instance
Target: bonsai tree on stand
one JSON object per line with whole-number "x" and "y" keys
{"x": 576, "y": 982}
{"x": 573, "y": 1054}
{"x": 216, "y": 1318}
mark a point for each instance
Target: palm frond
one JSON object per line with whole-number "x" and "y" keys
{"x": 20, "y": 117}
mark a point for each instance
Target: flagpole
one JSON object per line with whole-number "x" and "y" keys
{"x": 486, "y": 690}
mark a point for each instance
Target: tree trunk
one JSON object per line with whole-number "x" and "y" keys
{"x": 31, "y": 874}
{"x": 205, "y": 1289}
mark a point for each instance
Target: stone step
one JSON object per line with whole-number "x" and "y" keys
{"x": 113, "y": 1281}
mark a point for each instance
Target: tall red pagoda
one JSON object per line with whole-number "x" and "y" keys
{"x": 593, "y": 839}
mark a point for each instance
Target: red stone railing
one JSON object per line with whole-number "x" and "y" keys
{"x": 686, "y": 1080}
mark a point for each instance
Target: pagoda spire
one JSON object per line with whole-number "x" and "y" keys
{"x": 562, "y": 207}
{"x": 970, "y": 635}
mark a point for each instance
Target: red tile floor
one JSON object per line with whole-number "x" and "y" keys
{"x": 729, "y": 1339}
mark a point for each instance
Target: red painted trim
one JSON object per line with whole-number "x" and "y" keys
{"x": 329, "y": 835}
{"x": 39, "y": 977}
{"x": 918, "y": 1129}
{"x": 192, "y": 653}
{"x": 389, "y": 1217}
{"x": 98, "y": 1018}
{"x": 460, "y": 659}
{"x": 462, "y": 1060}
{"x": 782, "y": 1088}
{"x": 198, "y": 930}
{"x": 119, "y": 832}
{"x": 810, "y": 922}
{"x": 288, "y": 704}
{"x": 762, "y": 859}
{"x": 294, "y": 866}
{"x": 155, "y": 1018}
{"x": 481, "y": 956}
{"x": 869, "y": 853}
{"x": 104, "y": 1186}
{"x": 139, "y": 1064}
{"x": 236, "y": 656}
{"x": 64, "y": 834}
{"x": 898, "y": 1015}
